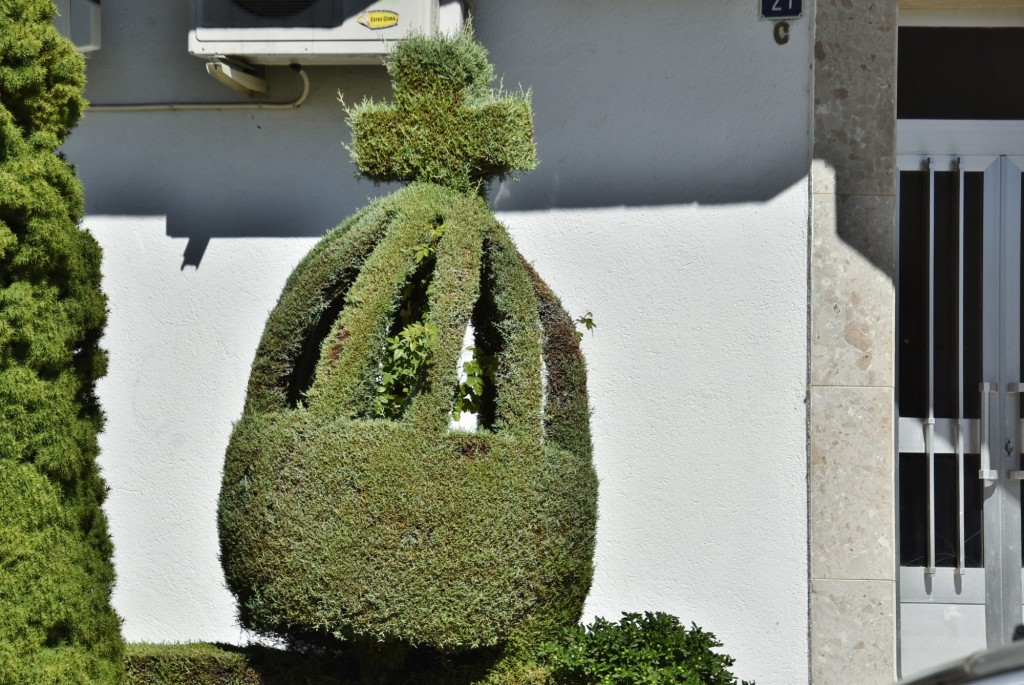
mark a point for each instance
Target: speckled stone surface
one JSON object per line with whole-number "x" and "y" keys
{"x": 851, "y": 630}
{"x": 855, "y": 93}
{"x": 852, "y": 361}
{"x": 852, "y": 295}
{"x": 851, "y": 483}
{"x": 823, "y": 177}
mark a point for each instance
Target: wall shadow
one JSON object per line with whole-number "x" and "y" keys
{"x": 313, "y": 14}
{"x": 622, "y": 119}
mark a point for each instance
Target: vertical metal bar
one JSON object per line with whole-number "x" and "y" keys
{"x": 1013, "y": 221}
{"x": 897, "y": 456}
{"x": 961, "y": 551}
{"x": 1002, "y": 496}
{"x": 929, "y": 425}
{"x": 1016, "y": 474}
{"x": 1010, "y": 411}
{"x": 987, "y": 472}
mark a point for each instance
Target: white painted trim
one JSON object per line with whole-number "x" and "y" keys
{"x": 936, "y": 138}
{"x": 962, "y": 5}
{"x": 951, "y": 163}
{"x": 962, "y": 18}
{"x": 945, "y": 586}
{"x": 912, "y": 435}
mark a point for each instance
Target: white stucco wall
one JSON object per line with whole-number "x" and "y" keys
{"x": 671, "y": 201}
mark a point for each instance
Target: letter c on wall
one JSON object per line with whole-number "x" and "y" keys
{"x": 781, "y": 32}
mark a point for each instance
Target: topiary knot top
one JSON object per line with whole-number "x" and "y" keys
{"x": 445, "y": 125}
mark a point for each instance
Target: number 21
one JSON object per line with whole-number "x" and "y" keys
{"x": 777, "y": 5}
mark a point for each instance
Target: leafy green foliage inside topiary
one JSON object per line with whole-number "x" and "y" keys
{"x": 403, "y": 371}
{"x": 652, "y": 649}
{"x": 56, "y": 623}
{"x": 446, "y": 125}
{"x": 479, "y": 370}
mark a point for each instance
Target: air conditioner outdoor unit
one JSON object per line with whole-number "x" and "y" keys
{"x": 79, "y": 22}
{"x": 313, "y": 31}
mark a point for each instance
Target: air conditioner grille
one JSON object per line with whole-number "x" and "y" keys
{"x": 274, "y": 8}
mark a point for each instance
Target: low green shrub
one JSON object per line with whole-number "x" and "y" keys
{"x": 652, "y": 649}
{"x": 217, "y": 664}
{"x": 648, "y": 649}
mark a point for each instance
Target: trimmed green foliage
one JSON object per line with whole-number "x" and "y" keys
{"x": 202, "y": 663}
{"x": 400, "y": 530}
{"x": 350, "y": 516}
{"x": 653, "y": 649}
{"x": 216, "y": 664}
{"x": 394, "y": 533}
{"x": 56, "y": 624}
{"x": 445, "y": 125}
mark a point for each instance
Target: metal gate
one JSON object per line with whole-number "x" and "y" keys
{"x": 959, "y": 386}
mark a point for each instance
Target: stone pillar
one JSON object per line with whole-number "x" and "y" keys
{"x": 852, "y": 360}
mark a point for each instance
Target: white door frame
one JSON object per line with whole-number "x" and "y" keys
{"x": 995, "y": 148}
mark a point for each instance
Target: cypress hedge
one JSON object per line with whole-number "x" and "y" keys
{"x": 56, "y": 622}
{"x": 389, "y": 534}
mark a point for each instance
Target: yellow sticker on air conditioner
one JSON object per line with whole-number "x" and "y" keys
{"x": 378, "y": 19}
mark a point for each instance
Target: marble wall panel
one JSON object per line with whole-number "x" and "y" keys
{"x": 851, "y": 630}
{"x": 852, "y": 358}
{"x": 851, "y": 483}
{"x": 852, "y": 295}
{"x": 855, "y": 93}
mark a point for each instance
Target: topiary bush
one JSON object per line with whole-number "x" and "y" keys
{"x": 56, "y": 623}
{"x": 349, "y": 510}
{"x": 652, "y": 649}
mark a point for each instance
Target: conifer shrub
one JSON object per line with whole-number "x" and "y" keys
{"x": 56, "y": 623}
{"x": 351, "y": 515}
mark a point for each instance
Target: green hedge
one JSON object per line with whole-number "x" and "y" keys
{"x": 648, "y": 649}
{"x": 56, "y": 623}
{"x": 214, "y": 664}
{"x": 217, "y": 664}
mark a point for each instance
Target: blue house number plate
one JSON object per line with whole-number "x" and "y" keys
{"x": 781, "y": 9}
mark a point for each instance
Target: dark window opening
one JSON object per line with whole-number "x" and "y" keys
{"x": 960, "y": 73}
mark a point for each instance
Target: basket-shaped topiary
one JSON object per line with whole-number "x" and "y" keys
{"x": 349, "y": 507}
